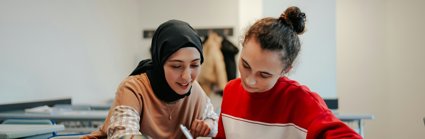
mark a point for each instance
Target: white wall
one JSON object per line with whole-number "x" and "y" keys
{"x": 66, "y": 48}
{"x": 249, "y": 12}
{"x": 406, "y": 66}
{"x": 198, "y": 13}
{"x": 83, "y": 49}
{"x": 380, "y": 65}
{"x": 316, "y": 64}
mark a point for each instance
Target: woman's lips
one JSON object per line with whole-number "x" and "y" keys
{"x": 183, "y": 85}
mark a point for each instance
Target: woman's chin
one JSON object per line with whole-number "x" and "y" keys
{"x": 183, "y": 91}
{"x": 248, "y": 89}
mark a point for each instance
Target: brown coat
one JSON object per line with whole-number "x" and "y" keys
{"x": 213, "y": 70}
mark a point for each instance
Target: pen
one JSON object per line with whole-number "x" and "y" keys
{"x": 186, "y": 132}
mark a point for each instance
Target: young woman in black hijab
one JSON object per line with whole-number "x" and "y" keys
{"x": 162, "y": 92}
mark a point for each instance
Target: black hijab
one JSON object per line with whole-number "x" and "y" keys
{"x": 168, "y": 38}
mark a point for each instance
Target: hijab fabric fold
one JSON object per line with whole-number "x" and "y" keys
{"x": 168, "y": 38}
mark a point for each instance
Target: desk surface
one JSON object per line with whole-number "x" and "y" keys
{"x": 354, "y": 117}
{"x": 22, "y": 130}
{"x": 63, "y": 115}
{"x": 100, "y": 115}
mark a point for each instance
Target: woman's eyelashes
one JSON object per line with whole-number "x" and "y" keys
{"x": 183, "y": 66}
{"x": 176, "y": 66}
{"x": 245, "y": 65}
{"x": 195, "y": 65}
{"x": 264, "y": 75}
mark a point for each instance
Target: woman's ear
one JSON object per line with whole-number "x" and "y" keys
{"x": 286, "y": 70}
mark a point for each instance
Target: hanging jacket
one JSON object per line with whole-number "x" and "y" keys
{"x": 213, "y": 72}
{"x": 229, "y": 51}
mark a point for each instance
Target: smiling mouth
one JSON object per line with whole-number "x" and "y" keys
{"x": 184, "y": 85}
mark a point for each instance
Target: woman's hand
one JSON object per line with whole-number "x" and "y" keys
{"x": 199, "y": 128}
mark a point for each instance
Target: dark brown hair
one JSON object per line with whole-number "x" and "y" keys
{"x": 280, "y": 34}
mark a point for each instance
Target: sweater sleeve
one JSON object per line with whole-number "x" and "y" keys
{"x": 328, "y": 126}
{"x": 220, "y": 134}
{"x": 127, "y": 105}
{"x": 316, "y": 117}
{"x": 210, "y": 115}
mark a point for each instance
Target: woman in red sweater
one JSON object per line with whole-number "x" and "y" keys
{"x": 263, "y": 102}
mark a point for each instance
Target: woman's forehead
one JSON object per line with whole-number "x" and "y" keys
{"x": 261, "y": 60}
{"x": 186, "y": 53}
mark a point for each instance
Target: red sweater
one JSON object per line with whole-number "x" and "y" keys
{"x": 287, "y": 111}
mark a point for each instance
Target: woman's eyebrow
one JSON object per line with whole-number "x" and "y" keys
{"x": 175, "y": 60}
{"x": 264, "y": 72}
{"x": 197, "y": 59}
{"x": 178, "y": 60}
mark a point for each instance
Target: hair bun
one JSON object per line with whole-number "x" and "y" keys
{"x": 295, "y": 18}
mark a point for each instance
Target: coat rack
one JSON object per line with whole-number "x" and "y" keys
{"x": 201, "y": 32}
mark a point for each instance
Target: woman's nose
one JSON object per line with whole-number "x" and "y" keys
{"x": 250, "y": 80}
{"x": 186, "y": 75}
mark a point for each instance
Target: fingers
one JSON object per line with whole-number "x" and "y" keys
{"x": 205, "y": 130}
{"x": 199, "y": 128}
{"x": 193, "y": 128}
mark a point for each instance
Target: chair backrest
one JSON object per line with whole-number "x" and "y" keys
{"x": 67, "y": 137}
{"x": 32, "y": 121}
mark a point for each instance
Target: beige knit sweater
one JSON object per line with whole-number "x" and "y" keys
{"x": 157, "y": 118}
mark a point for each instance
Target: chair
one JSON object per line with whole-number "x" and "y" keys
{"x": 32, "y": 121}
{"x": 28, "y": 121}
{"x": 77, "y": 136}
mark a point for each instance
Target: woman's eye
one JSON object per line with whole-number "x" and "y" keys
{"x": 194, "y": 66}
{"x": 245, "y": 66}
{"x": 263, "y": 75}
{"x": 176, "y": 66}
